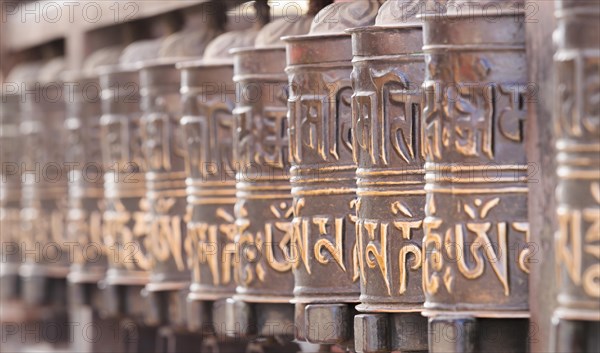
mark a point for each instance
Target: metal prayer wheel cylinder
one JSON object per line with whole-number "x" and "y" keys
{"x": 44, "y": 195}
{"x": 207, "y": 123}
{"x": 323, "y": 177}
{"x": 389, "y": 69}
{"x": 164, "y": 153}
{"x": 125, "y": 216}
{"x": 264, "y": 203}
{"x": 86, "y": 192}
{"x": 10, "y": 196}
{"x": 476, "y": 232}
{"x": 577, "y": 124}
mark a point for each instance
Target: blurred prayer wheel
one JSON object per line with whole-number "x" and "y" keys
{"x": 208, "y": 99}
{"x": 44, "y": 190}
{"x": 164, "y": 154}
{"x": 577, "y": 122}
{"x": 10, "y": 195}
{"x": 125, "y": 216}
{"x": 207, "y": 123}
{"x": 86, "y": 192}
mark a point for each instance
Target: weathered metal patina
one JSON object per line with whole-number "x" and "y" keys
{"x": 44, "y": 189}
{"x": 323, "y": 173}
{"x": 475, "y": 270}
{"x": 125, "y": 224}
{"x": 264, "y": 208}
{"x": 389, "y": 69}
{"x": 208, "y": 96}
{"x": 577, "y": 124}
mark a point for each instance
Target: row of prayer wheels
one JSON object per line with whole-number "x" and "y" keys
{"x": 356, "y": 178}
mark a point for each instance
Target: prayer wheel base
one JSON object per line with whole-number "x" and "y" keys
{"x": 86, "y": 294}
{"x": 167, "y": 308}
{"x": 325, "y": 323}
{"x": 138, "y": 338}
{"x": 576, "y": 336}
{"x": 470, "y": 334}
{"x": 10, "y": 286}
{"x": 386, "y": 332}
{"x": 124, "y": 301}
{"x": 207, "y": 317}
{"x": 171, "y": 341}
{"x": 41, "y": 290}
{"x": 251, "y": 320}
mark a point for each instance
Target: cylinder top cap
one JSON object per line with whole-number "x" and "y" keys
{"x": 405, "y": 13}
{"x": 480, "y": 8}
{"x": 270, "y": 35}
{"x": 218, "y": 51}
{"x": 339, "y": 16}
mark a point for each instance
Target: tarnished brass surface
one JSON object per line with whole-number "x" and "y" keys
{"x": 208, "y": 98}
{"x": 125, "y": 221}
{"x": 476, "y": 171}
{"x": 323, "y": 174}
{"x": 354, "y": 180}
{"x": 389, "y": 153}
{"x": 264, "y": 207}
{"x": 44, "y": 189}
{"x": 389, "y": 69}
{"x": 476, "y": 250}
{"x": 577, "y": 124}
{"x": 264, "y": 203}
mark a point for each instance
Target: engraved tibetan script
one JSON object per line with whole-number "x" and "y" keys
{"x": 259, "y": 248}
{"x": 124, "y": 232}
{"x": 387, "y": 120}
{"x": 165, "y": 240}
{"x": 323, "y": 236}
{"x": 212, "y": 245}
{"x": 320, "y": 124}
{"x": 374, "y": 238}
{"x": 470, "y": 246}
{"x": 578, "y": 238}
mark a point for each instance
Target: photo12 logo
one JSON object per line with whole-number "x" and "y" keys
{"x": 69, "y": 11}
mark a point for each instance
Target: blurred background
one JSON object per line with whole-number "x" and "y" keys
{"x": 34, "y": 31}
